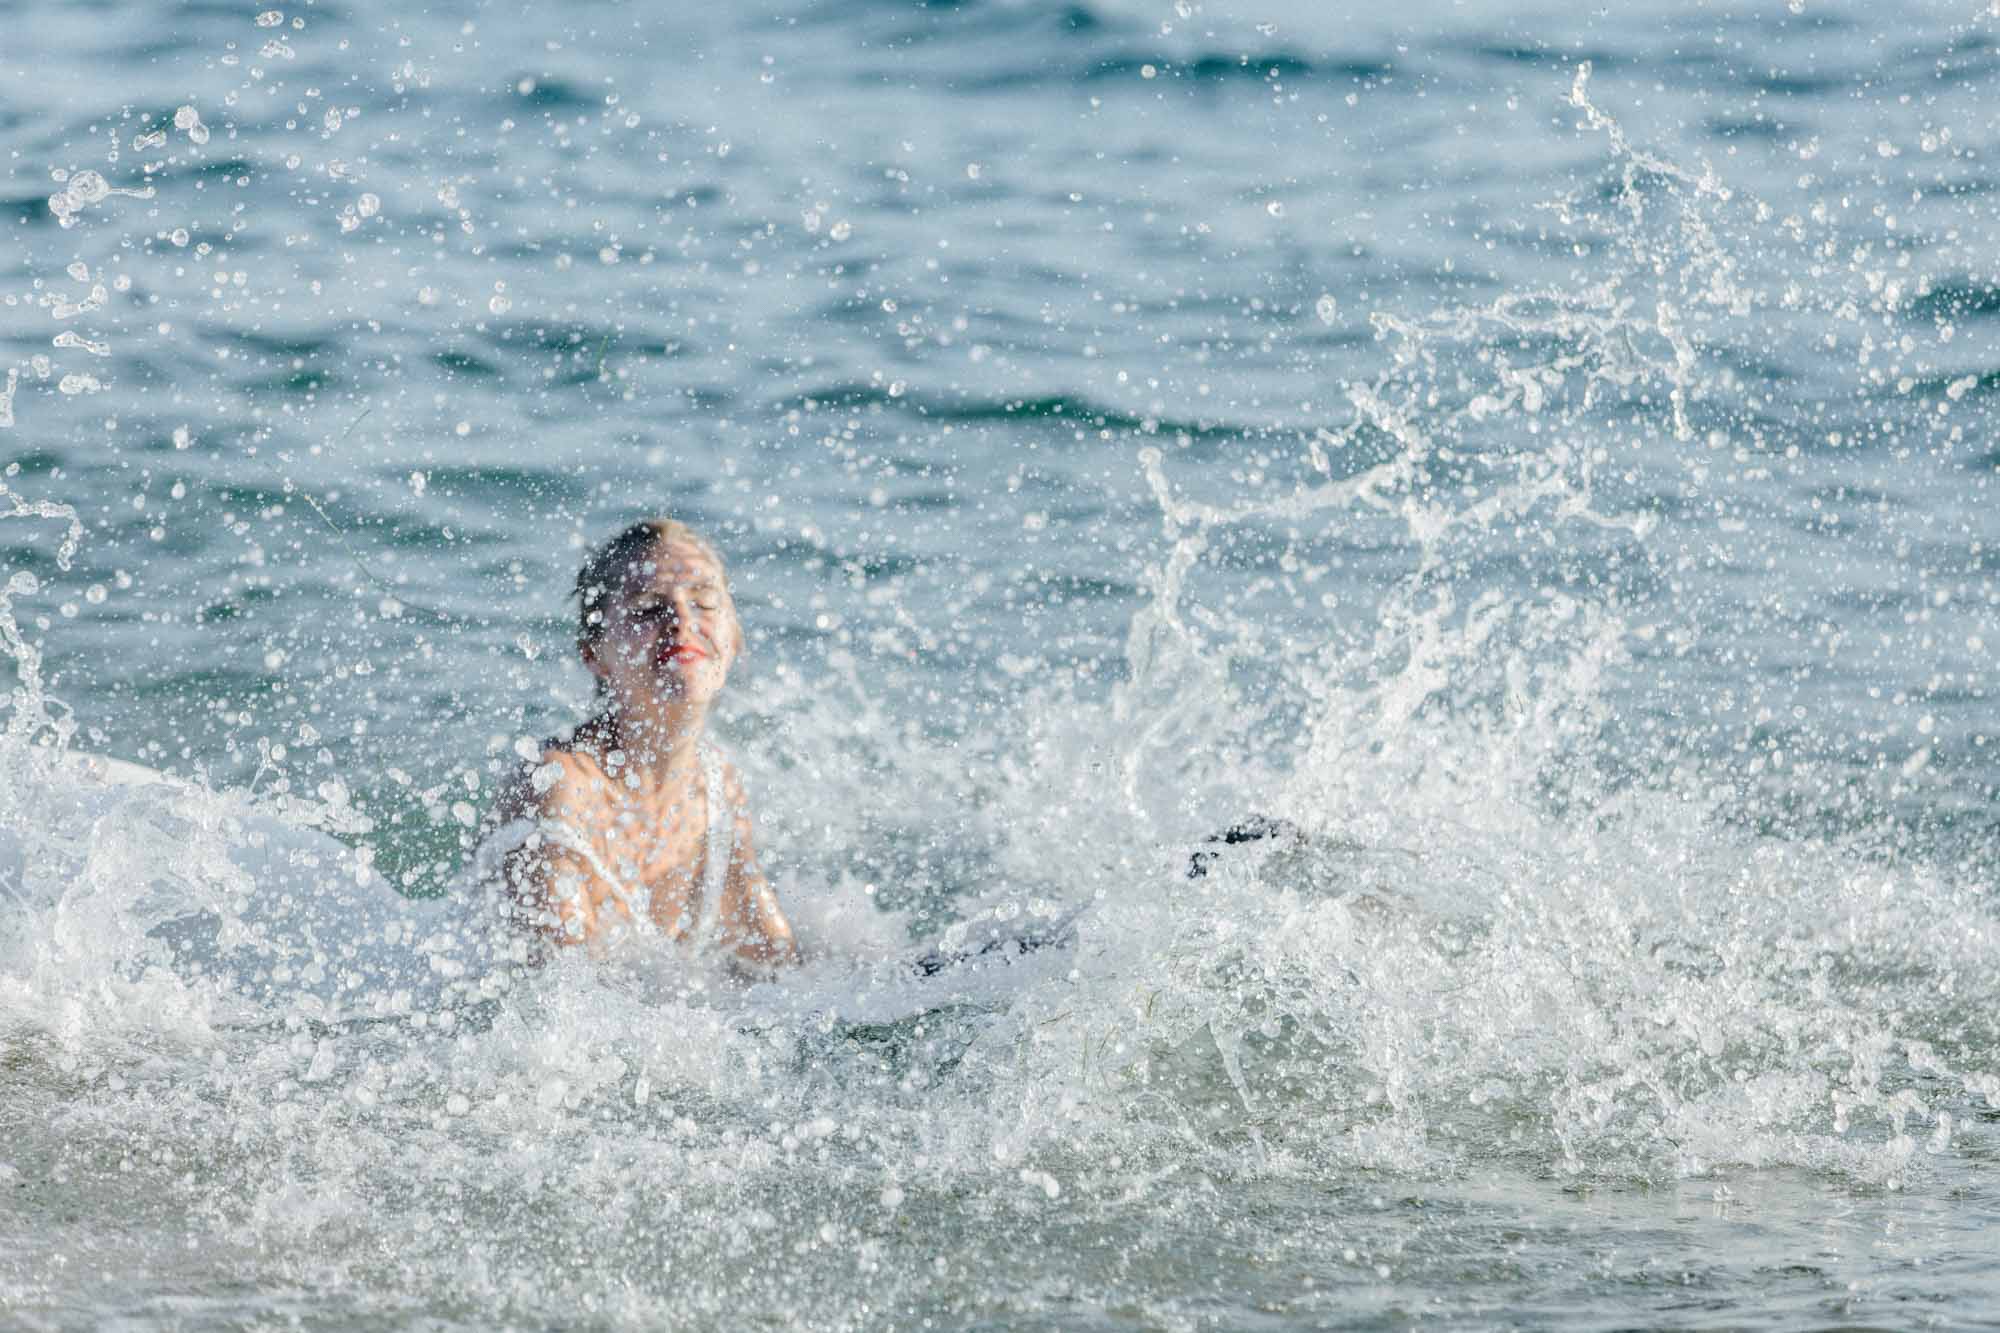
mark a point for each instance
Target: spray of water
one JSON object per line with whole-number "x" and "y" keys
{"x": 1495, "y": 949}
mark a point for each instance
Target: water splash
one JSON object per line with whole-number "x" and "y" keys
{"x": 188, "y": 119}
{"x": 77, "y": 340}
{"x": 1492, "y": 915}
{"x": 28, "y": 704}
{"x": 92, "y": 302}
{"x": 1490, "y": 956}
{"x": 84, "y": 189}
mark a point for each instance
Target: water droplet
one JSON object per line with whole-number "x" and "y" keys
{"x": 325, "y": 1058}
{"x": 187, "y": 118}
{"x": 1275, "y": 209}
{"x": 368, "y": 205}
{"x": 69, "y": 339}
{"x": 331, "y": 119}
{"x": 76, "y": 384}
{"x": 1326, "y": 309}
{"x": 270, "y": 18}
{"x": 1148, "y": 71}
{"x": 81, "y": 190}
{"x": 95, "y": 594}
{"x": 841, "y": 230}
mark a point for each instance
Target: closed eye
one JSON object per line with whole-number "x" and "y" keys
{"x": 659, "y": 610}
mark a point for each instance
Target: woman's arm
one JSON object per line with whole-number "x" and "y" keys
{"x": 552, "y": 892}
{"x": 556, "y": 878}
{"x": 753, "y": 925}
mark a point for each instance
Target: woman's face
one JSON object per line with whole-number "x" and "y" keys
{"x": 670, "y": 632}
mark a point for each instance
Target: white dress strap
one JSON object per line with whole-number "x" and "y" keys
{"x": 717, "y": 850}
{"x": 573, "y": 839}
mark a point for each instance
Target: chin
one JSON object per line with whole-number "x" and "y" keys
{"x": 672, "y": 685}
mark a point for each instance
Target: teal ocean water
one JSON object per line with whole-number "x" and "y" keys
{"x": 1546, "y": 455}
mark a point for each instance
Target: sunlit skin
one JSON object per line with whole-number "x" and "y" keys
{"x": 630, "y": 779}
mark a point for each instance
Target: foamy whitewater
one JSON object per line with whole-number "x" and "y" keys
{"x": 1543, "y": 457}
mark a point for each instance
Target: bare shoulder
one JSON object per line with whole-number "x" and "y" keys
{"x": 573, "y": 778}
{"x": 562, "y": 779}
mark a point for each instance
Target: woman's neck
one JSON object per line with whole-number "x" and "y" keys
{"x": 661, "y": 740}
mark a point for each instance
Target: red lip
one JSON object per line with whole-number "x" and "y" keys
{"x": 685, "y": 652}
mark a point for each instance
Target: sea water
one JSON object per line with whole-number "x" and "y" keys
{"x": 1543, "y": 454}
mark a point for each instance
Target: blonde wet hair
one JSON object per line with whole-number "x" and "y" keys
{"x": 611, "y": 566}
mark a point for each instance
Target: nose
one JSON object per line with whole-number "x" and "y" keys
{"x": 678, "y": 612}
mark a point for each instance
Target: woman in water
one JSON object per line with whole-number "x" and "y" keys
{"x": 634, "y": 823}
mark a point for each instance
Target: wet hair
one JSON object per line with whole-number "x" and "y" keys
{"x": 610, "y": 566}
